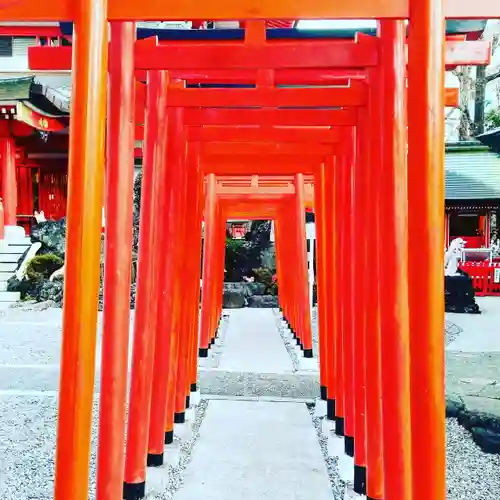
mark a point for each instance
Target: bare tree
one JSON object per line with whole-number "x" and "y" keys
{"x": 483, "y": 77}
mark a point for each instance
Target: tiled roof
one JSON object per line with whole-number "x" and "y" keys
{"x": 472, "y": 175}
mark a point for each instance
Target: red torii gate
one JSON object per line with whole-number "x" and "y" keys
{"x": 425, "y": 191}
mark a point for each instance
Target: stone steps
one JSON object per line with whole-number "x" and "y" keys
{"x": 10, "y": 253}
{"x": 10, "y": 297}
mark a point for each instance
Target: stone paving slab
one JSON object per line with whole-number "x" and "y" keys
{"x": 253, "y": 344}
{"x": 256, "y": 450}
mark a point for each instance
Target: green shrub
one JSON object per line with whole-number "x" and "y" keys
{"x": 267, "y": 278}
{"x": 41, "y": 267}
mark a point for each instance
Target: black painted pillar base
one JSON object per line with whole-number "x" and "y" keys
{"x": 188, "y": 402}
{"x": 349, "y": 446}
{"x": 339, "y": 426}
{"x": 203, "y": 353}
{"x": 179, "y": 418}
{"x": 155, "y": 460}
{"x": 134, "y": 491}
{"x": 360, "y": 479}
{"x": 194, "y": 387}
{"x": 308, "y": 353}
{"x": 323, "y": 393}
{"x": 298, "y": 340}
{"x": 169, "y": 437}
{"x": 330, "y": 409}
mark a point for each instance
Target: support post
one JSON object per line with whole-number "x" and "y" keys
{"x": 394, "y": 233}
{"x": 177, "y": 154}
{"x": 348, "y": 321}
{"x": 331, "y": 292}
{"x": 209, "y": 249}
{"x": 304, "y": 308}
{"x": 374, "y": 437}
{"x": 165, "y": 246}
{"x": 339, "y": 241}
{"x": 9, "y": 180}
{"x": 118, "y": 263}
{"x": 359, "y": 216}
{"x": 83, "y": 248}
{"x": 188, "y": 273}
{"x": 195, "y": 226}
{"x": 426, "y": 213}
{"x": 147, "y": 287}
{"x": 322, "y": 279}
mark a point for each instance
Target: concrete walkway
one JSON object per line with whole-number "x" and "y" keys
{"x": 256, "y": 450}
{"x": 253, "y": 344}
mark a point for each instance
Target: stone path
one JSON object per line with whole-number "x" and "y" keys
{"x": 255, "y": 450}
{"x": 252, "y": 343}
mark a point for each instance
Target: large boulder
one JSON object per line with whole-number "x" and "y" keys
{"x": 233, "y": 299}
{"x": 52, "y": 235}
{"x": 263, "y": 301}
{"x": 486, "y": 439}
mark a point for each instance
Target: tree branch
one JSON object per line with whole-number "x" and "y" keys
{"x": 492, "y": 76}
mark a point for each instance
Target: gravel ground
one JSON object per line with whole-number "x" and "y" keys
{"x": 470, "y": 473}
{"x": 331, "y": 463}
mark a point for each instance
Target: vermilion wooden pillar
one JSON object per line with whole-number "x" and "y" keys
{"x": 190, "y": 281}
{"x": 361, "y": 271}
{"x": 208, "y": 277}
{"x": 290, "y": 238}
{"x": 339, "y": 249}
{"x": 374, "y": 438}
{"x": 219, "y": 272}
{"x": 321, "y": 278}
{"x": 393, "y": 233}
{"x": 349, "y": 243}
{"x": 9, "y": 181}
{"x": 145, "y": 322}
{"x": 426, "y": 214}
{"x": 118, "y": 263}
{"x": 304, "y": 308}
{"x": 177, "y": 158}
{"x": 83, "y": 248}
{"x": 194, "y": 226}
{"x": 331, "y": 291}
{"x": 168, "y": 239}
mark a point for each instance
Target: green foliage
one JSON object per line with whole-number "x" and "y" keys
{"x": 267, "y": 278}
{"x": 41, "y": 267}
{"x": 492, "y": 119}
{"x": 236, "y": 259}
{"x": 242, "y": 256}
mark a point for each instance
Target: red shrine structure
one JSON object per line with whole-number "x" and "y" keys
{"x": 358, "y": 116}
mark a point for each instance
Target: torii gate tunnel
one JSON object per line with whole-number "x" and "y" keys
{"x": 371, "y": 139}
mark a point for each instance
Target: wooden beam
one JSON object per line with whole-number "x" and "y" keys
{"x": 219, "y": 69}
{"x": 264, "y": 149}
{"x": 254, "y": 134}
{"x": 284, "y": 117}
{"x": 354, "y": 95}
{"x": 154, "y": 10}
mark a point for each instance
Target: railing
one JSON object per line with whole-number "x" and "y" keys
{"x": 485, "y": 277}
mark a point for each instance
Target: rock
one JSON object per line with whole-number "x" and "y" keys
{"x": 256, "y": 289}
{"x": 52, "y": 291}
{"x": 454, "y": 405}
{"x": 233, "y": 300}
{"x": 487, "y": 440}
{"x": 52, "y": 235}
{"x": 470, "y": 419}
{"x": 263, "y": 301}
